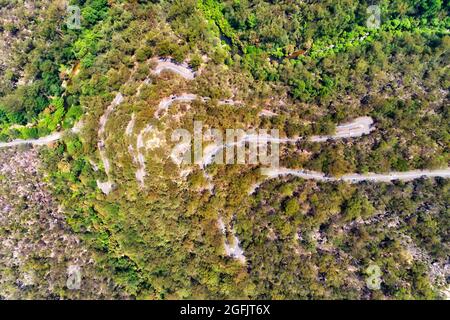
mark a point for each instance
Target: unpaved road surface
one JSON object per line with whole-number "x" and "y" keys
{"x": 272, "y": 173}
{"x": 356, "y": 128}
{"x": 41, "y": 141}
{"x": 165, "y": 103}
{"x": 101, "y": 131}
{"x": 182, "y": 70}
{"x": 356, "y": 177}
{"x": 106, "y": 187}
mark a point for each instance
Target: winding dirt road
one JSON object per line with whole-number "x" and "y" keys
{"x": 43, "y": 140}
{"x": 118, "y": 99}
{"x": 356, "y": 128}
{"x": 272, "y": 173}
{"x": 356, "y": 177}
{"x": 182, "y": 70}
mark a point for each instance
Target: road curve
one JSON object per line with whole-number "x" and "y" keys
{"x": 355, "y": 128}
{"x": 165, "y": 103}
{"x": 182, "y": 70}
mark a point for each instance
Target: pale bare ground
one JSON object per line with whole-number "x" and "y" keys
{"x": 357, "y": 177}
{"x": 212, "y": 150}
{"x": 165, "y": 103}
{"x": 233, "y": 249}
{"x": 162, "y": 64}
{"x": 101, "y": 131}
{"x": 267, "y": 113}
{"x": 130, "y": 126}
{"x": 272, "y": 173}
{"x": 356, "y": 128}
{"x": 106, "y": 187}
{"x": 43, "y": 140}
{"x": 140, "y": 144}
{"x": 182, "y": 70}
